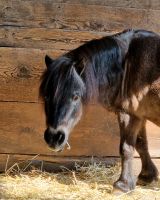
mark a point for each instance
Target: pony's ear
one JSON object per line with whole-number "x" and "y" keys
{"x": 48, "y": 61}
{"x": 80, "y": 67}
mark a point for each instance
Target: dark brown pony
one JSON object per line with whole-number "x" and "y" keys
{"x": 120, "y": 71}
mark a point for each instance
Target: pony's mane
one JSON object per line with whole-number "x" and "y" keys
{"x": 97, "y": 62}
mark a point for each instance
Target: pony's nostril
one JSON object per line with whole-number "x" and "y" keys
{"x": 60, "y": 137}
{"x": 54, "y": 139}
{"x": 47, "y": 137}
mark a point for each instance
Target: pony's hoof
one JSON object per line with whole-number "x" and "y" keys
{"x": 117, "y": 192}
{"x": 124, "y": 185}
{"x": 146, "y": 179}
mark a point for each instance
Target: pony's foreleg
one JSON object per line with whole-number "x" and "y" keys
{"x": 129, "y": 128}
{"x": 149, "y": 171}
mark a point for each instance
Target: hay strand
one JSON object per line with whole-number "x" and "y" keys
{"x": 88, "y": 182}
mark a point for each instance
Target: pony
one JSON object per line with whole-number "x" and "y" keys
{"x": 122, "y": 73}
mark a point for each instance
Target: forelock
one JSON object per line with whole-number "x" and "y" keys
{"x": 60, "y": 79}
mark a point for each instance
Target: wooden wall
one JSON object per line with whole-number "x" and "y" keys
{"x": 29, "y": 30}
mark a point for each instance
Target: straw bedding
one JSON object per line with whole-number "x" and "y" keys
{"x": 88, "y": 182}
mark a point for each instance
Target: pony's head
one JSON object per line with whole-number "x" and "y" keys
{"x": 88, "y": 73}
{"x": 62, "y": 90}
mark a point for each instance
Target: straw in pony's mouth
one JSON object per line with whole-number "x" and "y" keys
{"x": 68, "y": 148}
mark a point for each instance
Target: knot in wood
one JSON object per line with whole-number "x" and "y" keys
{"x": 24, "y": 72}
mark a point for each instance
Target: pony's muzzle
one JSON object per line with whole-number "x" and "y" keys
{"x": 54, "y": 139}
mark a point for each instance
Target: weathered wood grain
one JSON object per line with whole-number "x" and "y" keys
{"x": 58, "y": 26}
{"x": 20, "y": 72}
{"x": 22, "y": 127}
{"x": 45, "y": 38}
{"x": 144, "y": 4}
{"x": 74, "y": 16}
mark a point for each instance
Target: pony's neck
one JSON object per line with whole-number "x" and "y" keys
{"x": 102, "y": 69}
{"x": 100, "y": 64}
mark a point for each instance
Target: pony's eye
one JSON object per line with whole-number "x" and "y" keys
{"x": 75, "y": 97}
{"x": 46, "y": 98}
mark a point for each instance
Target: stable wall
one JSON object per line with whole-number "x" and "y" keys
{"x": 29, "y": 30}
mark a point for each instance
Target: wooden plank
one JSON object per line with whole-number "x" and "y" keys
{"x": 154, "y": 4}
{"x": 22, "y": 127}
{"x": 144, "y": 4}
{"x": 20, "y": 73}
{"x": 55, "y": 164}
{"x": 154, "y": 19}
{"x": 138, "y": 4}
{"x": 49, "y": 163}
{"x": 44, "y": 38}
{"x": 72, "y": 16}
